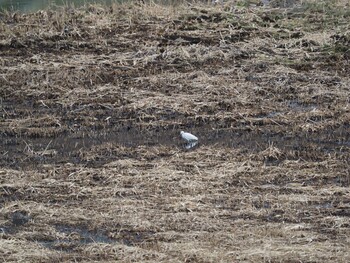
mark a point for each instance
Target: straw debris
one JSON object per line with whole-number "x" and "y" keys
{"x": 92, "y": 101}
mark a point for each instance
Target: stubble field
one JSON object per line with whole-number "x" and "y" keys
{"x": 92, "y": 102}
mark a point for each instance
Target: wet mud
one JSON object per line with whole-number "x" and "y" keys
{"x": 33, "y": 152}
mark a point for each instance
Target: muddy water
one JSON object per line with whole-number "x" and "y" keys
{"x": 29, "y": 5}
{"x": 84, "y": 236}
{"x": 26, "y": 152}
{"x": 75, "y": 236}
{"x": 35, "y": 5}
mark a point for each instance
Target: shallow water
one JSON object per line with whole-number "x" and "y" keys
{"x": 21, "y": 152}
{"x": 80, "y": 235}
{"x": 83, "y": 237}
{"x": 35, "y": 5}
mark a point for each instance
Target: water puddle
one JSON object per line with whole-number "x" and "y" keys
{"x": 20, "y": 218}
{"x": 75, "y": 236}
{"x": 298, "y": 106}
{"x": 325, "y": 205}
{"x": 71, "y": 237}
{"x": 35, "y": 5}
{"x": 17, "y": 220}
{"x": 191, "y": 145}
{"x": 280, "y": 4}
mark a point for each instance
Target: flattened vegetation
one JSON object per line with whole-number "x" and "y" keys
{"x": 92, "y": 103}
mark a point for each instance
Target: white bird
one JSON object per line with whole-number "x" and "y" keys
{"x": 188, "y": 137}
{"x": 191, "y": 140}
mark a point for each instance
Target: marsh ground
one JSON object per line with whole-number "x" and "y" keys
{"x": 92, "y": 102}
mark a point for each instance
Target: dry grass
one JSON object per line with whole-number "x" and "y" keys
{"x": 92, "y": 102}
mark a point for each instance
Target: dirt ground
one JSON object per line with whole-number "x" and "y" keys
{"x": 92, "y": 102}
